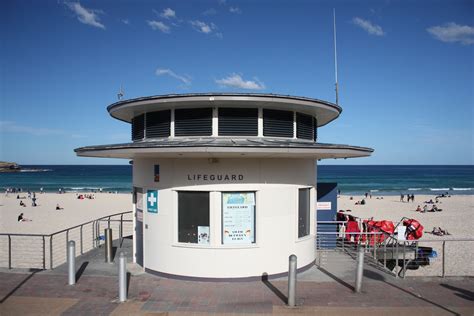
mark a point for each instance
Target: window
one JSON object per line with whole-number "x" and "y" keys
{"x": 303, "y": 213}
{"x": 193, "y": 122}
{"x": 277, "y": 123}
{"x": 304, "y": 126}
{"x": 238, "y": 218}
{"x": 158, "y": 124}
{"x": 193, "y": 217}
{"x": 238, "y": 122}
{"x": 138, "y": 125}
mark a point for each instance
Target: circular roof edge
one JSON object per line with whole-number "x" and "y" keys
{"x": 114, "y": 108}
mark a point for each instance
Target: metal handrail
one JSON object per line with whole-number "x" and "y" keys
{"x": 95, "y": 234}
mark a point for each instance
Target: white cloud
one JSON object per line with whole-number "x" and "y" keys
{"x": 184, "y": 79}
{"x": 125, "y": 21}
{"x": 235, "y": 10}
{"x": 202, "y": 27}
{"x": 222, "y": 2}
{"x": 85, "y": 15}
{"x": 236, "y": 81}
{"x": 210, "y": 11}
{"x": 452, "y": 32}
{"x": 168, "y": 13}
{"x": 372, "y": 29}
{"x": 158, "y": 25}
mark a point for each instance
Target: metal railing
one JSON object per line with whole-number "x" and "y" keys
{"x": 49, "y": 250}
{"x": 424, "y": 257}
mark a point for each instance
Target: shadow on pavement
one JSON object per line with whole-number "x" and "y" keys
{"x": 81, "y": 270}
{"x": 462, "y": 293}
{"x": 335, "y": 278}
{"x": 375, "y": 276}
{"x": 33, "y": 272}
{"x": 272, "y": 288}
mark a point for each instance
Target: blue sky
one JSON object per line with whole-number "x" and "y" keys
{"x": 406, "y": 70}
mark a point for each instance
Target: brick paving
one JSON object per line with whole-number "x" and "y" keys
{"x": 327, "y": 291}
{"x": 46, "y": 294}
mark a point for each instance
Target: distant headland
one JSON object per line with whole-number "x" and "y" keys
{"x": 9, "y": 167}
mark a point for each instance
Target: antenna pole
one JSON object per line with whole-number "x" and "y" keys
{"x": 335, "y": 58}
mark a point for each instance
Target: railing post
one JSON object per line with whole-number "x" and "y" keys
{"x": 121, "y": 230}
{"x": 404, "y": 260}
{"x": 396, "y": 256}
{"x": 292, "y": 281}
{"x": 108, "y": 245}
{"x": 51, "y": 252}
{"x": 81, "y": 242}
{"x": 9, "y": 252}
{"x": 122, "y": 271}
{"x": 108, "y": 222}
{"x": 360, "y": 269}
{"x": 44, "y": 254}
{"x": 67, "y": 237}
{"x": 444, "y": 259}
{"x": 71, "y": 262}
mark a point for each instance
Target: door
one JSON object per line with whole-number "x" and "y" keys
{"x": 138, "y": 201}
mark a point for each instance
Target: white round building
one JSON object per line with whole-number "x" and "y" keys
{"x": 224, "y": 183}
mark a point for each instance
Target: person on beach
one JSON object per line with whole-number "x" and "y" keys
{"x": 33, "y": 201}
{"x": 425, "y": 208}
{"x": 413, "y": 198}
{"x": 418, "y": 209}
{"x": 402, "y": 197}
{"x": 23, "y": 219}
{"x": 22, "y": 204}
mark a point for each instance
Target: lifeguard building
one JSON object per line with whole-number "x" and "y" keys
{"x": 224, "y": 183}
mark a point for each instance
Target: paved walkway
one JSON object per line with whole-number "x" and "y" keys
{"x": 326, "y": 291}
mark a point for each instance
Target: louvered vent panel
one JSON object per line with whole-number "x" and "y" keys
{"x": 158, "y": 124}
{"x": 138, "y": 127}
{"x": 193, "y": 122}
{"x": 315, "y": 129}
{"x": 238, "y": 122}
{"x": 278, "y": 123}
{"x": 304, "y": 126}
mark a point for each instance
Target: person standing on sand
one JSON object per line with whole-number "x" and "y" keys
{"x": 402, "y": 197}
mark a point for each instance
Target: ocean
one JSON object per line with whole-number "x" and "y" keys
{"x": 380, "y": 180}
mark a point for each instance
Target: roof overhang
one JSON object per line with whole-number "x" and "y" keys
{"x": 128, "y": 109}
{"x": 229, "y": 148}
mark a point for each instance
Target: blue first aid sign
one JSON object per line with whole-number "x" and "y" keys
{"x": 152, "y": 201}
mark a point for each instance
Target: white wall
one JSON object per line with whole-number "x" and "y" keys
{"x": 276, "y": 182}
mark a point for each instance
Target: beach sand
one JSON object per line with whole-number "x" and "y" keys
{"x": 457, "y": 217}
{"x": 44, "y": 252}
{"x": 46, "y": 219}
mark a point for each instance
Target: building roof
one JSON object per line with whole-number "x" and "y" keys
{"x": 127, "y": 109}
{"x": 209, "y": 147}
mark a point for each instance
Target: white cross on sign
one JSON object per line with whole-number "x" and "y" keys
{"x": 152, "y": 199}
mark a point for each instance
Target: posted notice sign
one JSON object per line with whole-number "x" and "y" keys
{"x": 238, "y": 217}
{"x": 152, "y": 201}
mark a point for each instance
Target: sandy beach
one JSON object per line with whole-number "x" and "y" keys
{"x": 46, "y": 219}
{"x": 46, "y": 252}
{"x": 455, "y": 217}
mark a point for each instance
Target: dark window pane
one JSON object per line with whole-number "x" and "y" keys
{"x": 193, "y": 122}
{"x": 238, "y": 122}
{"x": 193, "y": 211}
{"x": 278, "y": 123}
{"x": 303, "y": 213}
{"x": 138, "y": 127}
{"x": 158, "y": 124}
{"x": 304, "y": 126}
